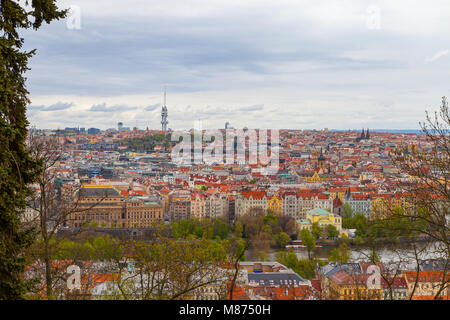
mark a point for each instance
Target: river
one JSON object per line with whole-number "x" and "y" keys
{"x": 388, "y": 253}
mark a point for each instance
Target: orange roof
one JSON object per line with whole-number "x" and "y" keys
{"x": 430, "y": 298}
{"x": 258, "y": 195}
{"x": 426, "y": 276}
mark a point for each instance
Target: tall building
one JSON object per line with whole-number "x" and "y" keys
{"x": 321, "y": 160}
{"x": 103, "y": 206}
{"x": 363, "y": 136}
{"x": 164, "y": 114}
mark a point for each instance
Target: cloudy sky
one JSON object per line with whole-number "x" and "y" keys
{"x": 256, "y": 63}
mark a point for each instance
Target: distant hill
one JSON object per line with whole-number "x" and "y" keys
{"x": 416, "y": 131}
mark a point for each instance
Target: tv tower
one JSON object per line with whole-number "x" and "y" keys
{"x": 164, "y": 121}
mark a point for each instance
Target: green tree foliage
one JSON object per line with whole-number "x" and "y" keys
{"x": 270, "y": 219}
{"x": 390, "y": 228}
{"x": 332, "y": 232}
{"x": 17, "y": 168}
{"x": 316, "y": 230}
{"x": 264, "y": 231}
{"x": 266, "y": 228}
{"x": 308, "y": 241}
{"x": 220, "y": 229}
{"x": 262, "y": 256}
{"x": 281, "y": 239}
{"x": 147, "y": 143}
{"x": 341, "y": 254}
{"x": 238, "y": 229}
{"x": 358, "y": 222}
{"x": 347, "y": 215}
{"x": 374, "y": 257}
{"x": 206, "y": 228}
{"x": 305, "y": 268}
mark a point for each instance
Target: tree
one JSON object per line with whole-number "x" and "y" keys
{"x": 262, "y": 256}
{"x": 332, "y": 232}
{"x": 426, "y": 186}
{"x": 341, "y": 254}
{"x": 238, "y": 229}
{"x": 17, "y": 168}
{"x": 360, "y": 223}
{"x": 282, "y": 239}
{"x": 252, "y": 224}
{"x": 166, "y": 269}
{"x": 260, "y": 242}
{"x": 316, "y": 230}
{"x": 347, "y": 211}
{"x": 308, "y": 241}
{"x": 53, "y": 204}
{"x": 220, "y": 229}
{"x": 303, "y": 267}
{"x": 347, "y": 216}
{"x": 271, "y": 219}
{"x": 237, "y": 249}
{"x": 288, "y": 225}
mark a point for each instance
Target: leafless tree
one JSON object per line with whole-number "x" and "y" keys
{"x": 426, "y": 183}
{"x": 52, "y": 206}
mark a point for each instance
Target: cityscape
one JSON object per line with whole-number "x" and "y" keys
{"x": 112, "y": 201}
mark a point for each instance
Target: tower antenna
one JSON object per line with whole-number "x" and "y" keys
{"x": 164, "y": 114}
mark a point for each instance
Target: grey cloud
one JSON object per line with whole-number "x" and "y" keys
{"x": 256, "y": 107}
{"x": 238, "y": 48}
{"x": 54, "y": 107}
{"x": 116, "y": 108}
{"x": 58, "y": 106}
{"x": 40, "y": 107}
{"x": 153, "y": 107}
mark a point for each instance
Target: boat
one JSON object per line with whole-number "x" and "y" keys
{"x": 294, "y": 246}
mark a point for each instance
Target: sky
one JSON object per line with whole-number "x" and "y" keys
{"x": 254, "y": 63}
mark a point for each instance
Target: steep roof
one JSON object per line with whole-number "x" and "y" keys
{"x": 98, "y": 191}
{"x": 257, "y": 195}
{"x": 275, "y": 278}
{"x": 318, "y": 212}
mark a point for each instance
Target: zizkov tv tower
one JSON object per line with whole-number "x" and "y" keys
{"x": 164, "y": 121}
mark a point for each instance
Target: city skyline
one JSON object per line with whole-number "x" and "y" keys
{"x": 226, "y": 151}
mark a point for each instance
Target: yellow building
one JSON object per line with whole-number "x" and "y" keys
{"x": 323, "y": 218}
{"x": 383, "y": 205}
{"x": 344, "y": 286}
{"x": 314, "y": 179}
{"x": 275, "y": 204}
{"x": 337, "y": 194}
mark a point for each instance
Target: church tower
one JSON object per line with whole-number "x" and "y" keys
{"x": 321, "y": 160}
